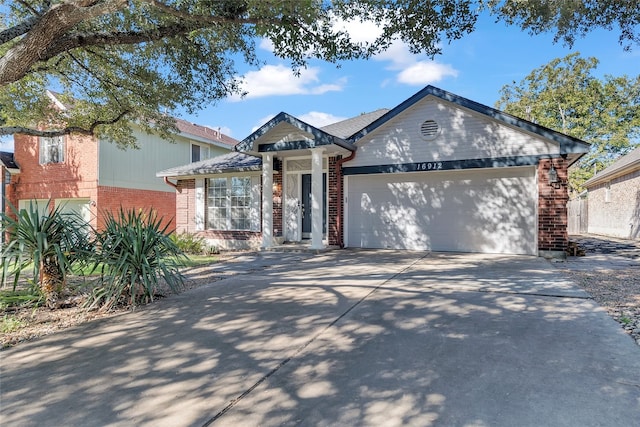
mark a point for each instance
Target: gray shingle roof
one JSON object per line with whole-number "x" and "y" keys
{"x": 8, "y": 161}
{"x": 620, "y": 164}
{"x": 230, "y": 162}
{"x": 348, "y": 127}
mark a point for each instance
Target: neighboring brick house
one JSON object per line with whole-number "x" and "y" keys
{"x": 613, "y": 199}
{"x": 438, "y": 172}
{"x": 90, "y": 176}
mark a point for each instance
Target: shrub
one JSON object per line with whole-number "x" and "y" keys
{"x": 189, "y": 243}
{"x": 48, "y": 242}
{"x": 138, "y": 255}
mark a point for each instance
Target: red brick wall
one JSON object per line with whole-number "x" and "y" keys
{"x": 552, "y": 207}
{"x": 186, "y": 206}
{"x": 277, "y": 200}
{"x": 76, "y": 177}
{"x": 333, "y": 233}
{"x": 111, "y": 199}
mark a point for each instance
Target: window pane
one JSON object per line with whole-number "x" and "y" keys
{"x": 195, "y": 153}
{"x": 217, "y": 204}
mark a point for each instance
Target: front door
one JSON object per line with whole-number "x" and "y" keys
{"x": 306, "y": 205}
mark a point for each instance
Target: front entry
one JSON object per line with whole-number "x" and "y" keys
{"x": 306, "y": 205}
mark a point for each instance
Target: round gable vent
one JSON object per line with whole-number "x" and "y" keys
{"x": 429, "y": 129}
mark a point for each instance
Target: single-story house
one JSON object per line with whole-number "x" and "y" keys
{"x": 438, "y": 172}
{"x": 613, "y": 197}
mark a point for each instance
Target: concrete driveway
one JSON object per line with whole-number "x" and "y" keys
{"x": 344, "y": 338}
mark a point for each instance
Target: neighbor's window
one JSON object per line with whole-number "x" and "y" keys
{"x": 229, "y": 203}
{"x": 51, "y": 150}
{"x": 195, "y": 153}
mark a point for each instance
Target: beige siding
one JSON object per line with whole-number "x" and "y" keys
{"x": 137, "y": 168}
{"x": 617, "y": 215}
{"x": 464, "y": 135}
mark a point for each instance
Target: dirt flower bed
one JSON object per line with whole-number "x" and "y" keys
{"x": 30, "y": 323}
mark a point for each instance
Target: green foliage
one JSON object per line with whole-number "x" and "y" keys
{"x": 189, "y": 243}
{"x": 21, "y": 298}
{"x": 10, "y": 323}
{"x": 116, "y": 64}
{"x": 139, "y": 255}
{"x": 47, "y": 242}
{"x": 565, "y": 96}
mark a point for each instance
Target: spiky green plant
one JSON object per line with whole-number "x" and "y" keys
{"x": 135, "y": 250}
{"x": 48, "y": 242}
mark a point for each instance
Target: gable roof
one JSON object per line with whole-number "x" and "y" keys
{"x": 622, "y": 165}
{"x": 8, "y": 161}
{"x": 320, "y": 137}
{"x": 345, "y": 128}
{"x": 230, "y": 162}
{"x": 206, "y": 133}
{"x": 567, "y": 143}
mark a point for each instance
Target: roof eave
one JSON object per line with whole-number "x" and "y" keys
{"x": 608, "y": 176}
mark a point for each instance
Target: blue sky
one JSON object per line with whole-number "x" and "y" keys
{"x": 475, "y": 67}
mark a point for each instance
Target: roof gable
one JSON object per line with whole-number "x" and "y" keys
{"x": 295, "y": 134}
{"x": 567, "y": 143}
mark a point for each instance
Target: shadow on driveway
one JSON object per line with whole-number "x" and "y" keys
{"x": 355, "y": 338}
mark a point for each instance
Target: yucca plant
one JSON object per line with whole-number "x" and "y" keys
{"x": 48, "y": 242}
{"x": 136, "y": 256}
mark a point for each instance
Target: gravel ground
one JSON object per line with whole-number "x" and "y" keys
{"x": 610, "y": 273}
{"x": 616, "y": 289}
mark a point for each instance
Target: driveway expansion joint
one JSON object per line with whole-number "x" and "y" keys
{"x": 303, "y": 346}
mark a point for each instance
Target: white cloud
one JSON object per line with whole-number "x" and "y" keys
{"x": 411, "y": 70}
{"x": 278, "y": 80}
{"x": 319, "y": 119}
{"x": 426, "y": 72}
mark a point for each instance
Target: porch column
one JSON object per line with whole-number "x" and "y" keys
{"x": 267, "y": 201}
{"x": 316, "y": 198}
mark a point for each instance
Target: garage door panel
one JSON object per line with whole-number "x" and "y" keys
{"x": 444, "y": 211}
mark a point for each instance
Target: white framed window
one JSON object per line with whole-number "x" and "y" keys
{"x": 195, "y": 153}
{"x": 230, "y": 203}
{"x": 51, "y": 150}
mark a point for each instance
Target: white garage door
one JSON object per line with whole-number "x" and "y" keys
{"x": 479, "y": 210}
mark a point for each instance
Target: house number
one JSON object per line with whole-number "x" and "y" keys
{"x": 429, "y": 166}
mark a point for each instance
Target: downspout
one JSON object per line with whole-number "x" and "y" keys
{"x": 340, "y": 206}
{"x": 171, "y": 184}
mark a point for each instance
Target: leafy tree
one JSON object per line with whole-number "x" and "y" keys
{"x": 49, "y": 242}
{"x": 119, "y": 62}
{"x": 565, "y": 96}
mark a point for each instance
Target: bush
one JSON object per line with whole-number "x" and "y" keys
{"x": 48, "y": 243}
{"x": 138, "y": 255}
{"x": 189, "y": 243}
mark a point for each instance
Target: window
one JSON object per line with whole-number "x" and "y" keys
{"x": 195, "y": 153}
{"x": 229, "y": 202}
{"x": 51, "y": 150}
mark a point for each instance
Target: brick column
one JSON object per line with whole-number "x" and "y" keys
{"x": 333, "y": 233}
{"x": 552, "y": 208}
{"x": 277, "y": 198}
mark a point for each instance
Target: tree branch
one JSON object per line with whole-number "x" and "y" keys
{"x": 18, "y": 30}
{"x": 89, "y": 131}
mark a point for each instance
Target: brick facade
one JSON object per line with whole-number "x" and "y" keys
{"x": 333, "y": 232}
{"x": 77, "y": 178}
{"x": 277, "y": 199}
{"x": 614, "y": 207}
{"x": 552, "y": 207}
